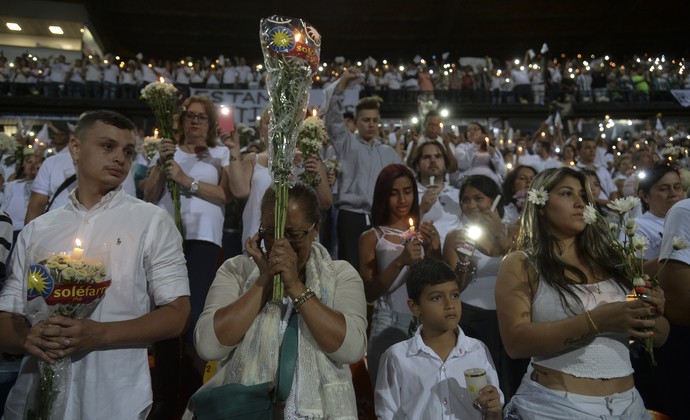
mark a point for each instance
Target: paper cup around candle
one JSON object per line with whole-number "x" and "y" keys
{"x": 475, "y": 379}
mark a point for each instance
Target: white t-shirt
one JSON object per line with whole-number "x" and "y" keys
{"x": 52, "y": 174}
{"x": 144, "y": 256}
{"x": 15, "y": 201}
{"x": 414, "y": 383}
{"x": 651, "y": 227}
{"x": 202, "y": 220}
{"x": 56, "y": 169}
{"x": 539, "y": 164}
{"x": 677, "y": 224}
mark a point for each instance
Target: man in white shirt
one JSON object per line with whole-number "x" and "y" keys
{"x": 109, "y": 375}
{"x": 541, "y": 160}
{"x": 586, "y": 153}
{"x": 433, "y": 127}
{"x": 439, "y": 202}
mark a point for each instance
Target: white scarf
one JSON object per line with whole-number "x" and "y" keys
{"x": 324, "y": 388}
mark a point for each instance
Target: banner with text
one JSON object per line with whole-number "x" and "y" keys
{"x": 248, "y": 103}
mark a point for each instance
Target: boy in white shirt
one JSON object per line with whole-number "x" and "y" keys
{"x": 423, "y": 377}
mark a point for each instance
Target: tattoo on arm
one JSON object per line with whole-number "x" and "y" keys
{"x": 572, "y": 342}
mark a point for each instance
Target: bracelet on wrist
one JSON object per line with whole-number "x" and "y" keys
{"x": 301, "y": 299}
{"x": 234, "y": 158}
{"x": 589, "y": 317}
{"x": 464, "y": 267}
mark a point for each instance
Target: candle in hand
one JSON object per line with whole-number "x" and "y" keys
{"x": 78, "y": 251}
{"x": 411, "y": 225}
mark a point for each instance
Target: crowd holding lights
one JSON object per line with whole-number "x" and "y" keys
{"x": 581, "y": 78}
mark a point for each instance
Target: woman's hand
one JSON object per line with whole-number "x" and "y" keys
{"x": 232, "y": 141}
{"x": 491, "y": 221}
{"x": 174, "y": 171}
{"x": 283, "y": 260}
{"x": 654, "y": 297}
{"x": 631, "y": 317}
{"x": 166, "y": 149}
{"x": 314, "y": 164}
{"x": 431, "y": 238}
{"x": 412, "y": 253}
{"x": 253, "y": 247}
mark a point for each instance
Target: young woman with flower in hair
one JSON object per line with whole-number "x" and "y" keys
{"x": 561, "y": 300}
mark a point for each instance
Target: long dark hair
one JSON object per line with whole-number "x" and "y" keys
{"x": 380, "y": 209}
{"x": 593, "y": 244}
{"x": 509, "y": 183}
{"x": 486, "y": 186}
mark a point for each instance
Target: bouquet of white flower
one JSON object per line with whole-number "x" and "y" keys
{"x": 291, "y": 50}
{"x": 631, "y": 249}
{"x": 60, "y": 284}
{"x": 311, "y": 138}
{"x": 163, "y": 98}
{"x": 150, "y": 146}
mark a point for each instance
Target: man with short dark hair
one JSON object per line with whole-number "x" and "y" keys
{"x": 586, "y": 153}
{"x": 363, "y": 156}
{"x": 439, "y": 202}
{"x": 109, "y": 363}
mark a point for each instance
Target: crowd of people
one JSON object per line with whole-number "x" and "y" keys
{"x": 475, "y": 251}
{"x": 534, "y": 79}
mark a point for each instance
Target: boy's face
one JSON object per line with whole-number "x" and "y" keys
{"x": 438, "y": 307}
{"x": 103, "y": 156}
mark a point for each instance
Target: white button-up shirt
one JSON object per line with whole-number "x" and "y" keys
{"x": 414, "y": 383}
{"x": 143, "y": 253}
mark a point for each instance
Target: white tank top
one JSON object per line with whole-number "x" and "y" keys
{"x": 607, "y": 355}
{"x": 395, "y": 299}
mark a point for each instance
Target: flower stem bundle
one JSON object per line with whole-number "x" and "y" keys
{"x": 163, "y": 98}
{"x": 291, "y": 50}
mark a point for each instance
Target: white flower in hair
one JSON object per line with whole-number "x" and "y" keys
{"x": 537, "y": 196}
{"x": 590, "y": 214}
{"x": 640, "y": 243}
{"x": 613, "y": 227}
{"x": 623, "y": 205}
{"x": 679, "y": 243}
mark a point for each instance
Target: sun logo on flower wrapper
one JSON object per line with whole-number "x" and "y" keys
{"x": 39, "y": 282}
{"x": 282, "y": 40}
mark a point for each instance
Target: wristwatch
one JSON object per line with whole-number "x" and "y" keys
{"x": 194, "y": 186}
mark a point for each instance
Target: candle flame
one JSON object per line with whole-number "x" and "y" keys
{"x": 78, "y": 242}
{"x": 162, "y": 80}
{"x": 313, "y": 112}
{"x": 411, "y": 222}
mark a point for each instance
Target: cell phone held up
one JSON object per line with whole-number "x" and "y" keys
{"x": 226, "y": 118}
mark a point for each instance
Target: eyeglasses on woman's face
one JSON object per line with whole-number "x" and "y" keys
{"x": 191, "y": 116}
{"x": 294, "y": 236}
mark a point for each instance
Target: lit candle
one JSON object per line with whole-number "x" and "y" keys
{"x": 161, "y": 79}
{"x": 487, "y": 142}
{"x": 155, "y": 133}
{"x": 314, "y": 112}
{"x": 411, "y": 225}
{"x": 78, "y": 251}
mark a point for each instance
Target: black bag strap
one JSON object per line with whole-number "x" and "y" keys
{"x": 66, "y": 183}
{"x": 287, "y": 361}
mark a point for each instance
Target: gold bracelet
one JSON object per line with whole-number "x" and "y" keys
{"x": 305, "y": 296}
{"x": 592, "y": 321}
